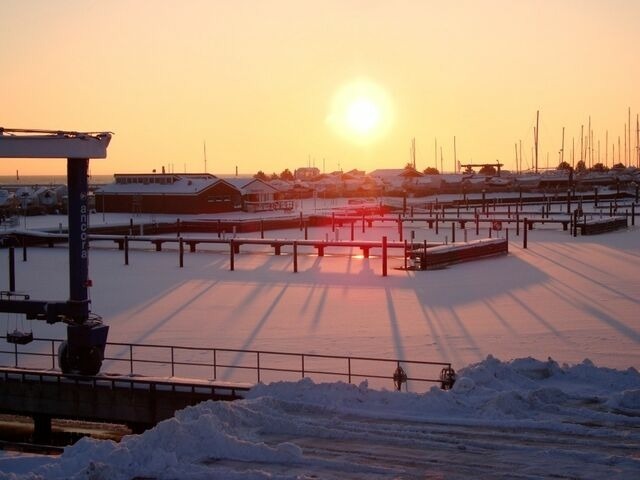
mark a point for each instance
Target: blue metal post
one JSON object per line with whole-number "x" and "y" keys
{"x": 77, "y": 169}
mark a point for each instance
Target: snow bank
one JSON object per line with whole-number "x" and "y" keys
{"x": 263, "y": 435}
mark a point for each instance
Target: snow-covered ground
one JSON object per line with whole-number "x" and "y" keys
{"x": 564, "y": 298}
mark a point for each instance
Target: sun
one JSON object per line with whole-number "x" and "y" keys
{"x": 362, "y": 115}
{"x": 360, "y": 111}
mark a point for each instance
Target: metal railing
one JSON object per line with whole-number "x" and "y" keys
{"x": 240, "y": 365}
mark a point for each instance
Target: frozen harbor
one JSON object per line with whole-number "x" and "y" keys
{"x": 566, "y": 298}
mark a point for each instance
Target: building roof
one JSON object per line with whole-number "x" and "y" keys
{"x": 250, "y": 185}
{"x": 161, "y": 183}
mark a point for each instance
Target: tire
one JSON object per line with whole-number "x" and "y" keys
{"x": 90, "y": 362}
{"x": 64, "y": 362}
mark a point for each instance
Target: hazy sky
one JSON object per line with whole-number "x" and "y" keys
{"x": 343, "y": 84}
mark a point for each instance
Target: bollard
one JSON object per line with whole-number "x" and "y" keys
{"x": 384, "y": 256}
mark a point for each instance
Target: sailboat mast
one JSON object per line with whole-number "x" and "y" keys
{"x": 562, "y": 149}
{"x": 455, "y": 156}
{"x": 535, "y": 137}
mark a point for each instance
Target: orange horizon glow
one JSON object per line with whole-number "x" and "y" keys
{"x": 346, "y": 85}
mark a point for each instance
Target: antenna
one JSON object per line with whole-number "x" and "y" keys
{"x": 205, "y": 156}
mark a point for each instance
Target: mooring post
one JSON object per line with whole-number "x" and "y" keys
{"x": 232, "y": 252}
{"x": 406, "y": 251}
{"x": 12, "y": 269}
{"x": 42, "y": 429}
{"x": 126, "y": 250}
{"x": 181, "y": 250}
{"x": 295, "y": 257}
{"x": 384, "y": 256}
{"x": 423, "y": 261}
{"x": 524, "y": 231}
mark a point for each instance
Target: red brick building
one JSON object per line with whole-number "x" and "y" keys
{"x": 185, "y": 193}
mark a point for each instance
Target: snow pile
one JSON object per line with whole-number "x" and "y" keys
{"x": 281, "y": 429}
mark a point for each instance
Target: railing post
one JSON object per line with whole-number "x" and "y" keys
{"x": 53, "y": 354}
{"x": 302, "y": 356}
{"x": 215, "y": 365}
{"x": 258, "y": 364}
{"x": 172, "y": 364}
{"x": 15, "y": 351}
{"x": 131, "y": 359}
{"x": 349, "y": 367}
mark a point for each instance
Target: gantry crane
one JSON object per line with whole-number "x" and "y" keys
{"x": 83, "y": 351}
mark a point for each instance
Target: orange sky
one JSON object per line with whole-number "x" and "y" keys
{"x": 263, "y": 82}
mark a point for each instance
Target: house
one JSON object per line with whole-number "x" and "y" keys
{"x": 306, "y": 173}
{"x": 258, "y": 195}
{"x": 187, "y": 193}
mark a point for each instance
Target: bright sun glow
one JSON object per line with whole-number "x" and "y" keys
{"x": 361, "y": 112}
